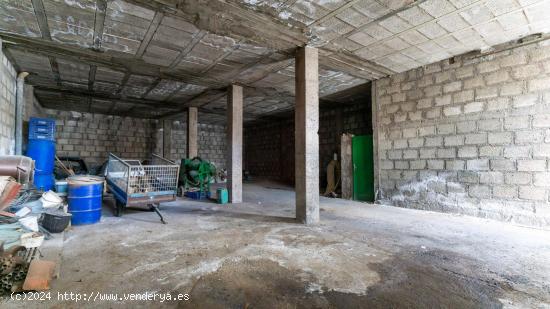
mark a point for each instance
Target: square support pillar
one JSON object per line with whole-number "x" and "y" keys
{"x": 235, "y": 143}
{"x": 166, "y": 138}
{"x": 192, "y": 132}
{"x": 306, "y": 127}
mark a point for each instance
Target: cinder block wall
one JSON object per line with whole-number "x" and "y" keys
{"x": 93, "y": 136}
{"x": 472, "y": 137}
{"x": 269, "y": 146}
{"x": 211, "y": 143}
{"x": 7, "y": 105}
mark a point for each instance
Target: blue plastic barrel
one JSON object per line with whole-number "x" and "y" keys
{"x": 85, "y": 194}
{"x": 44, "y": 182}
{"x": 43, "y": 153}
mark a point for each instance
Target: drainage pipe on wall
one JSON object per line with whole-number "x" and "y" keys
{"x": 19, "y": 103}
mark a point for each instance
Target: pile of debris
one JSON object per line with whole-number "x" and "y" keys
{"x": 27, "y": 218}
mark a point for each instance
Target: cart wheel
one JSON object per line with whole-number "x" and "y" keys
{"x": 118, "y": 209}
{"x": 181, "y": 190}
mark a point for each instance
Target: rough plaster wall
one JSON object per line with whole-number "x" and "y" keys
{"x": 269, "y": 147}
{"x": 7, "y": 105}
{"x": 471, "y": 137}
{"x": 93, "y": 136}
{"x": 212, "y": 143}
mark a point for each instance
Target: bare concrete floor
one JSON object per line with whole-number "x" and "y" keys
{"x": 253, "y": 255}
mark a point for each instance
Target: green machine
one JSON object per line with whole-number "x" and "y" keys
{"x": 195, "y": 177}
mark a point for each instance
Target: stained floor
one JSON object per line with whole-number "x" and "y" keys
{"x": 254, "y": 255}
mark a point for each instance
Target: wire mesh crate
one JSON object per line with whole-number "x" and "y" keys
{"x": 133, "y": 183}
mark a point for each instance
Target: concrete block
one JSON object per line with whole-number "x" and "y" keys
{"x": 443, "y": 100}
{"x": 466, "y": 127}
{"x": 455, "y": 140}
{"x": 528, "y": 137}
{"x": 476, "y": 138}
{"x": 487, "y": 66}
{"x": 516, "y": 123}
{"x": 502, "y": 165}
{"x": 531, "y": 165}
{"x": 526, "y": 71}
{"x": 446, "y": 153}
{"x": 433, "y": 91}
{"x": 401, "y": 165}
{"x": 479, "y": 191}
{"x": 468, "y": 177}
{"x": 532, "y": 193}
{"x": 517, "y": 151}
{"x": 426, "y": 131}
{"x": 445, "y": 129}
{"x": 417, "y": 164}
{"x": 435, "y": 141}
{"x": 395, "y": 154}
{"x": 541, "y": 150}
{"x": 424, "y": 103}
{"x": 525, "y": 100}
{"x": 452, "y": 87}
{"x": 463, "y": 96}
{"x": 386, "y": 164}
{"x": 491, "y": 177}
{"x": 498, "y": 104}
{"x": 426, "y": 153}
{"x": 409, "y": 132}
{"x": 478, "y": 165}
{"x": 505, "y": 192}
{"x": 464, "y": 72}
{"x": 456, "y": 165}
{"x": 517, "y": 178}
{"x": 539, "y": 84}
{"x": 433, "y": 113}
{"x": 436, "y": 164}
{"x": 467, "y": 152}
{"x": 541, "y": 179}
{"x": 541, "y": 121}
{"x": 410, "y": 154}
{"x": 513, "y": 60}
{"x": 474, "y": 107}
{"x": 416, "y": 142}
{"x": 415, "y": 116}
{"x": 498, "y": 77}
{"x": 486, "y": 93}
{"x": 400, "y": 144}
{"x": 452, "y": 111}
{"x": 489, "y": 125}
{"x": 499, "y": 138}
{"x": 514, "y": 88}
{"x": 475, "y": 82}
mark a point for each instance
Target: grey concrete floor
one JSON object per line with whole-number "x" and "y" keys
{"x": 253, "y": 255}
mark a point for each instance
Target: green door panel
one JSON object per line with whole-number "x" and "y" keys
{"x": 363, "y": 168}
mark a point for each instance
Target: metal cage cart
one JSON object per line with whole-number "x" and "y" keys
{"x": 135, "y": 184}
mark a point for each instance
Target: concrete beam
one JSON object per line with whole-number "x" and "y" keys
{"x": 88, "y": 94}
{"x": 99, "y": 23}
{"x": 306, "y": 137}
{"x": 235, "y": 143}
{"x": 111, "y": 59}
{"x": 192, "y": 132}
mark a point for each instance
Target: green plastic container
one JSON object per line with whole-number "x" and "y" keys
{"x": 223, "y": 197}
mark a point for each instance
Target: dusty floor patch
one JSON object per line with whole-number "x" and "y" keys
{"x": 254, "y": 253}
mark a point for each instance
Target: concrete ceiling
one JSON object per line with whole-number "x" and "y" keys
{"x": 154, "y": 58}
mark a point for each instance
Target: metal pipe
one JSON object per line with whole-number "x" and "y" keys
{"x": 19, "y": 103}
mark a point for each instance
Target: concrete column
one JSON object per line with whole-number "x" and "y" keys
{"x": 235, "y": 143}
{"x": 192, "y": 132}
{"x": 306, "y": 127}
{"x": 166, "y": 138}
{"x": 346, "y": 166}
